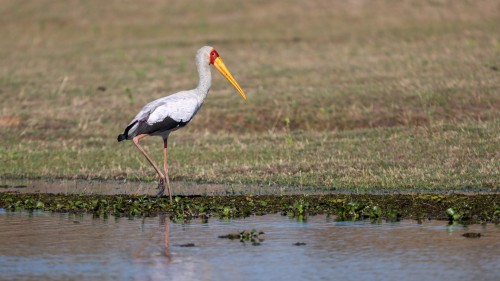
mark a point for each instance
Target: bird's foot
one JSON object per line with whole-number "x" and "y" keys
{"x": 161, "y": 187}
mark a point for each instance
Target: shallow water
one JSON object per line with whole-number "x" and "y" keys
{"x": 43, "y": 245}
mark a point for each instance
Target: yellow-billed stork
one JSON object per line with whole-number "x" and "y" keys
{"x": 165, "y": 115}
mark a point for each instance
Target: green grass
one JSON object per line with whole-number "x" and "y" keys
{"x": 425, "y": 159}
{"x": 341, "y": 95}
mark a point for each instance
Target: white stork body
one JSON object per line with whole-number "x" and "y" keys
{"x": 164, "y": 115}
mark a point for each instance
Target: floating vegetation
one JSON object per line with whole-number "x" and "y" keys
{"x": 246, "y": 236}
{"x": 357, "y": 210}
{"x": 471, "y": 235}
{"x": 454, "y": 216}
{"x": 452, "y": 207}
{"x": 187, "y": 245}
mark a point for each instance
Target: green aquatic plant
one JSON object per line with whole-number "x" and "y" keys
{"x": 373, "y": 212}
{"x": 463, "y": 208}
{"x": 226, "y": 212}
{"x": 118, "y": 206}
{"x": 350, "y": 211}
{"x": 394, "y": 216}
{"x": 299, "y": 209}
{"x": 358, "y": 211}
{"x": 252, "y": 236}
{"x": 18, "y": 205}
{"x": 39, "y": 205}
{"x": 496, "y": 213}
{"x": 453, "y": 215}
{"x": 492, "y": 214}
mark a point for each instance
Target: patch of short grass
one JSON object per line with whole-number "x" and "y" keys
{"x": 439, "y": 157}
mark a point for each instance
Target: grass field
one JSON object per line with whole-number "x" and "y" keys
{"x": 342, "y": 95}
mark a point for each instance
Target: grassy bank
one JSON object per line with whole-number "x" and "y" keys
{"x": 437, "y": 158}
{"x": 342, "y": 95}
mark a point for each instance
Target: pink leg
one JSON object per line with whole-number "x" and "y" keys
{"x": 136, "y": 142}
{"x": 165, "y": 166}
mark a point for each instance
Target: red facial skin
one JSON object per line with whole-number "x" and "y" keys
{"x": 213, "y": 56}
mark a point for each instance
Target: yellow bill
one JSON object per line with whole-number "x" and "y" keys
{"x": 221, "y": 67}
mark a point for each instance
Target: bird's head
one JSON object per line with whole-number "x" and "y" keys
{"x": 211, "y": 56}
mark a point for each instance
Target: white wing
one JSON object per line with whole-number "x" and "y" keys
{"x": 181, "y": 107}
{"x": 164, "y": 114}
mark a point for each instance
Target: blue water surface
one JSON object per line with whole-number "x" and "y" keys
{"x": 53, "y": 246}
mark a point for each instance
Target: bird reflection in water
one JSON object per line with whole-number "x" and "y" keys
{"x": 165, "y": 222}
{"x": 156, "y": 244}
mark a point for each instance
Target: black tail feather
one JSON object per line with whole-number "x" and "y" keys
{"x": 121, "y": 137}
{"x": 124, "y": 136}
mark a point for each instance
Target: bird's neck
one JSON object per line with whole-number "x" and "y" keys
{"x": 205, "y": 80}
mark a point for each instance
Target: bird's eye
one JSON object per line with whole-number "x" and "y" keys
{"x": 213, "y": 56}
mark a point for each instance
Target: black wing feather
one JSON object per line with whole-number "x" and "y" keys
{"x": 168, "y": 124}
